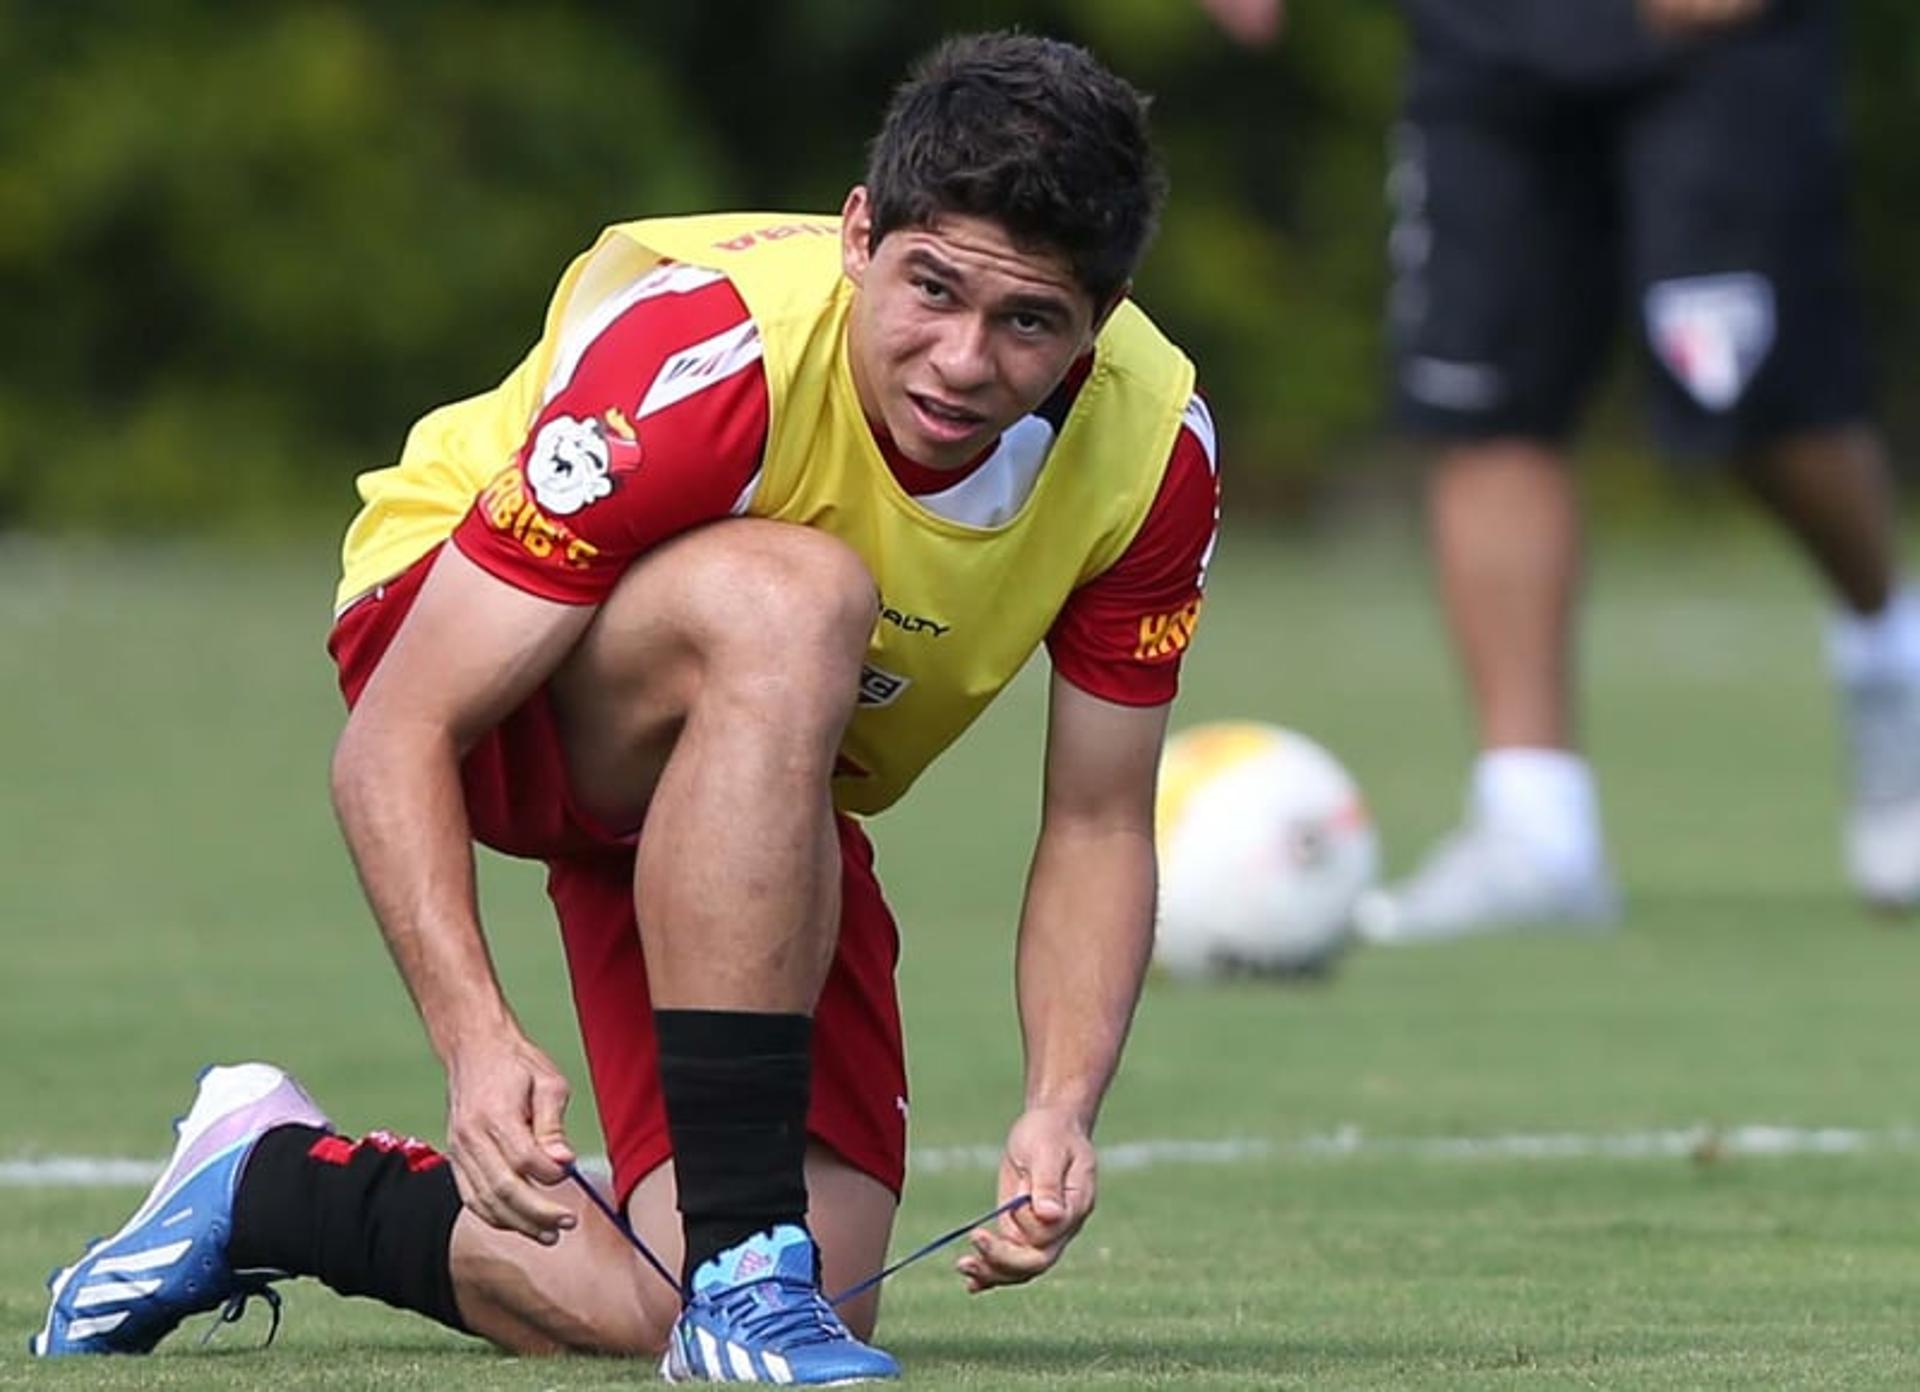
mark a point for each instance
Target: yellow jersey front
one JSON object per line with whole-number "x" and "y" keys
{"x": 962, "y": 607}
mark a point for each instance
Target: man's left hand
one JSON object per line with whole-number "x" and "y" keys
{"x": 1050, "y": 1156}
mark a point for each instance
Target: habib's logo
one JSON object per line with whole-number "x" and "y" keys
{"x": 508, "y": 508}
{"x": 1165, "y": 636}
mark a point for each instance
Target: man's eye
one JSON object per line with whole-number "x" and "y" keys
{"x": 932, "y": 289}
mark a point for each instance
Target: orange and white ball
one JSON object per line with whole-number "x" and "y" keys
{"x": 1265, "y": 845}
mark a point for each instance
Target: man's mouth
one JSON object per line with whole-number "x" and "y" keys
{"x": 943, "y": 419}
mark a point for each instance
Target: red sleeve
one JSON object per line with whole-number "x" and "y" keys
{"x": 656, "y": 422}
{"x": 1122, "y": 633}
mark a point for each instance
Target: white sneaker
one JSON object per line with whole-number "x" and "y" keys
{"x": 1882, "y": 721}
{"x": 1480, "y": 880}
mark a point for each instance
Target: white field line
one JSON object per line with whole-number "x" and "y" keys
{"x": 1347, "y": 1143}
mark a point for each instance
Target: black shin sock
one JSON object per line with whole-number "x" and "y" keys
{"x": 736, "y": 1085}
{"x": 370, "y": 1217}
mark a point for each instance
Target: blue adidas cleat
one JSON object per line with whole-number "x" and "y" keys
{"x": 128, "y": 1291}
{"x": 757, "y": 1315}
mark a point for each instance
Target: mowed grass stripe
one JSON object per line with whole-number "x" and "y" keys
{"x": 1704, "y": 1145}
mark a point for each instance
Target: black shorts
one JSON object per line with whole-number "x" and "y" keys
{"x": 1707, "y": 191}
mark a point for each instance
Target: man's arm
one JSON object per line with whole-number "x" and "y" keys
{"x": 1086, "y": 934}
{"x": 470, "y": 651}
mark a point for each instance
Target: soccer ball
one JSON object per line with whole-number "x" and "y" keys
{"x": 1265, "y": 846}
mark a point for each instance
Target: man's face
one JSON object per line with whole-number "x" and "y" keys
{"x": 956, "y": 332}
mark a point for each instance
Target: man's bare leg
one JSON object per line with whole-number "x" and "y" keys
{"x": 591, "y": 1293}
{"x": 707, "y": 697}
{"x": 1833, "y": 492}
{"x": 1504, "y": 520}
{"x": 1505, "y": 530}
{"x": 705, "y": 705}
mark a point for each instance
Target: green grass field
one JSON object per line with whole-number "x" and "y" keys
{"x": 173, "y": 894}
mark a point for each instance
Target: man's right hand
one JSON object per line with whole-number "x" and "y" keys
{"x": 506, "y": 1109}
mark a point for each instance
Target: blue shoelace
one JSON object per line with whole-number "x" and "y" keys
{"x": 786, "y": 1312}
{"x": 634, "y": 1240}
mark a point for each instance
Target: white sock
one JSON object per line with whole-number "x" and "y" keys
{"x": 1545, "y": 797}
{"x": 1882, "y": 647}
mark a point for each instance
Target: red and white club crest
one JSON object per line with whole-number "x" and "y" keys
{"x": 1712, "y": 332}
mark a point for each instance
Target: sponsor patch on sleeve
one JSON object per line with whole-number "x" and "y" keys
{"x": 571, "y": 462}
{"x": 510, "y": 510}
{"x": 1164, "y": 637}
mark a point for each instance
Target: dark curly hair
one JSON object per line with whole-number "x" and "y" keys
{"x": 1033, "y": 133}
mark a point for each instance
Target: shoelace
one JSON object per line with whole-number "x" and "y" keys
{"x": 787, "y": 1313}
{"x": 235, "y": 1309}
{"x": 635, "y": 1241}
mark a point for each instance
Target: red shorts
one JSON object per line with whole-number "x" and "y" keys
{"x": 518, "y": 802}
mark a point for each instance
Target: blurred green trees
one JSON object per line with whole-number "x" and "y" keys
{"x": 242, "y": 247}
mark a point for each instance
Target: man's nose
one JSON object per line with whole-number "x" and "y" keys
{"x": 961, "y": 356}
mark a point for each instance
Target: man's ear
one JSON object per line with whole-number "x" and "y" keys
{"x": 856, "y": 233}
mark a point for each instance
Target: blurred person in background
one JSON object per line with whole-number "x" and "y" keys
{"x": 774, "y": 508}
{"x": 1553, "y": 158}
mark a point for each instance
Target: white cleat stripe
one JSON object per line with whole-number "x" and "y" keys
{"x": 777, "y": 1367}
{"x": 107, "y": 1292}
{"x": 742, "y": 1363}
{"x": 710, "y": 1356}
{"x": 150, "y": 1260}
{"x": 96, "y": 1324}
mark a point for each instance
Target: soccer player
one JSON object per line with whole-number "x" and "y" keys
{"x": 774, "y": 508}
{"x": 1552, "y": 154}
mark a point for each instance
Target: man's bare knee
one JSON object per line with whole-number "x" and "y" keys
{"x": 780, "y": 617}
{"x": 792, "y": 583}
{"x": 755, "y": 614}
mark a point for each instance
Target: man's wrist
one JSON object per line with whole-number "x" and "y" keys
{"x": 1072, "y": 1103}
{"x": 453, "y": 1033}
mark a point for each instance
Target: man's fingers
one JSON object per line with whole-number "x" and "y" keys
{"x": 1057, "y": 1191}
{"x": 1049, "y": 1159}
{"x": 497, "y": 1190}
{"x": 506, "y": 1129}
{"x": 1046, "y": 1178}
{"x": 530, "y": 1158}
{"x": 483, "y": 1178}
{"x": 998, "y": 1261}
{"x": 550, "y": 1095}
{"x": 539, "y": 1218}
{"x": 471, "y": 1185}
{"x": 1049, "y": 1206}
{"x": 518, "y": 1187}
